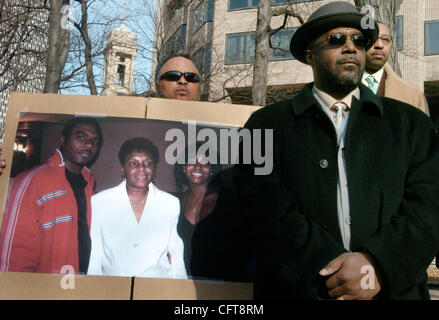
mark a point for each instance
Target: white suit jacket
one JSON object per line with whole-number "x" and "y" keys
{"x": 121, "y": 246}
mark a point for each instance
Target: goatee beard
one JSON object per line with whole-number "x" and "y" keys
{"x": 342, "y": 85}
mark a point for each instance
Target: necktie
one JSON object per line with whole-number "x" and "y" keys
{"x": 337, "y": 110}
{"x": 372, "y": 84}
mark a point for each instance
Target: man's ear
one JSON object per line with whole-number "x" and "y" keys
{"x": 309, "y": 57}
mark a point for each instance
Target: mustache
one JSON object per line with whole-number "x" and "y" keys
{"x": 350, "y": 60}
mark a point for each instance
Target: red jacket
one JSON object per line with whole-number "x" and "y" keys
{"x": 40, "y": 225}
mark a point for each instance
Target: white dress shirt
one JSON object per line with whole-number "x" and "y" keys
{"x": 343, "y": 210}
{"x": 377, "y": 77}
{"x": 121, "y": 246}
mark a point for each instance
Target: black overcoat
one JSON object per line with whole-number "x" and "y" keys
{"x": 392, "y": 164}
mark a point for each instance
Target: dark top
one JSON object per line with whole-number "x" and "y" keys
{"x": 217, "y": 246}
{"x": 78, "y": 184}
{"x": 392, "y": 161}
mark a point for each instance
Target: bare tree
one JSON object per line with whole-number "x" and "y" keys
{"x": 260, "y": 69}
{"x": 22, "y": 43}
{"x": 58, "y": 49}
{"x": 82, "y": 27}
{"x": 264, "y": 32}
{"x": 385, "y": 11}
{"x": 90, "y": 24}
{"x": 151, "y": 34}
{"x": 44, "y": 36}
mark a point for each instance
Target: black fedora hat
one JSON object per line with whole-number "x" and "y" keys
{"x": 332, "y": 15}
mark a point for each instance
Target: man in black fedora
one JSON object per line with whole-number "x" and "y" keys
{"x": 351, "y": 207}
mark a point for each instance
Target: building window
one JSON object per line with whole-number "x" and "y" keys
{"x": 242, "y": 4}
{"x": 182, "y": 36}
{"x": 199, "y": 15}
{"x": 176, "y": 42}
{"x": 175, "y": 4}
{"x": 207, "y": 58}
{"x": 240, "y": 48}
{"x": 169, "y": 48}
{"x": 280, "y": 43}
{"x": 201, "y": 59}
{"x": 210, "y": 10}
{"x": 431, "y": 38}
{"x": 399, "y": 33}
{"x": 197, "y": 57}
{"x": 203, "y": 13}
{"x": 174, "y": 9}
{"x": 120, "y": 78}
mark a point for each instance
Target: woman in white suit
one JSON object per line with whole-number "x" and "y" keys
{"x": 134, "y": 225}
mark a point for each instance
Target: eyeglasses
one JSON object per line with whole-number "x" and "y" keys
{"x": 137, "y": 164}
{"x": 339, "y": 39}
{"x": 385, "y": 39}
{"x": 176, "y": 75}
{"x": 86, "y": 140}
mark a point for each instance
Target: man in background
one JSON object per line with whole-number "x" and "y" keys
{"x": 177, "y": 77}
{"x": 382, "y": 80}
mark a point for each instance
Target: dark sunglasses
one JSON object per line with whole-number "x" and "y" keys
{"x": 176, "y": 75}
{"x": 339, "y": 39}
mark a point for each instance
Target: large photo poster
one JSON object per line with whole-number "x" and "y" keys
{"x": 123, "y": 197}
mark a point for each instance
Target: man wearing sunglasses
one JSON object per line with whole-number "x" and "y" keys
{"x": 350, "y": 209}
{"x": 47, "y": 217}
{"x": 177, "y": 77}
{"x": 382, "y": 80}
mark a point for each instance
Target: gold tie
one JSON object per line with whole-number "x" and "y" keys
{"x": 337, "y": 109}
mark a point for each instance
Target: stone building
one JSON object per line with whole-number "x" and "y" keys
{"x": 120, "y": 58}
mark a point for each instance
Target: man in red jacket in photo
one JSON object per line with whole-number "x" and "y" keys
{"x": 47, "y": 216}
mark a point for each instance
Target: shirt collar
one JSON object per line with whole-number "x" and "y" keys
{"x": 305, "y": 99}
{"x": 330, "y": 101}
{"x": 152, "y": 190}
{"x": 377, "y": 75}
{"x": 57, "y": 160}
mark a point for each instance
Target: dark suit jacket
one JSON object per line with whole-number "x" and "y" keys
{"x": 392, "y": 162}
